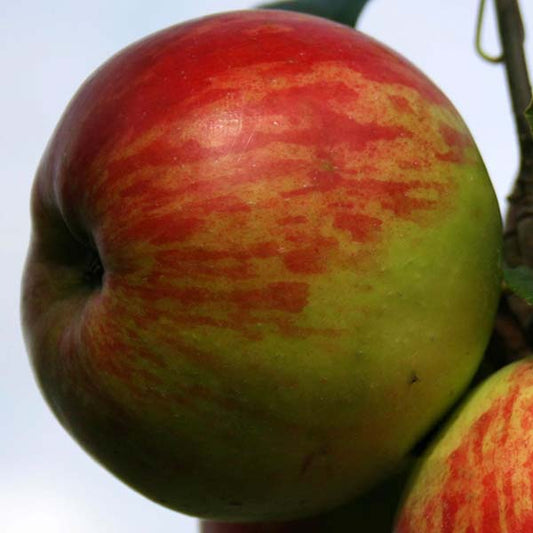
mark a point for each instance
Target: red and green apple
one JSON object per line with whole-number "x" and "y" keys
{"x": 264, "y": 261}
{"x": 478, "y": 475}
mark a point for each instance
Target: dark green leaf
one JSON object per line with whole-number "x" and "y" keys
{"x": 343, "y": 11}
{"x": 529, "y": 114}
{"x": 520, "y": 281}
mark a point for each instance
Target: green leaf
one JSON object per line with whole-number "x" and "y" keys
{"x": 529, "y": 115}
{"x": 520, "y": 281}
{"x": 343, "y": 11}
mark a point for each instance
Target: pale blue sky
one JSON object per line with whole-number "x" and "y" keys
{"x": 47, "y": 483}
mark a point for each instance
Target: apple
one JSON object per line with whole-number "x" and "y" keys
{"x": 478, "y": 474}
{"x": 264, "y": 261}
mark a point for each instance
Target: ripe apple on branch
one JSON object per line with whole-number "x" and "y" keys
{"x": 265, "y": 261}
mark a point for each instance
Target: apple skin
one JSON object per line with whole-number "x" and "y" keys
{"x": 374, "y": 512}
{"x": 264, "y": 260}
{"x": 478, "y": 475}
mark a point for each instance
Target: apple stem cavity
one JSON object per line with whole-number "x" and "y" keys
{"x": 94, "y": 274}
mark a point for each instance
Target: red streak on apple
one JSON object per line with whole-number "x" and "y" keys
{"x": 401, "y": 103}
{"x": 361, "y": 227}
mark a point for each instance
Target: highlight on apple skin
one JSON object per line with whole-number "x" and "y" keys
{"x": 264, "y": 261}
{"x": 478, "y": 475}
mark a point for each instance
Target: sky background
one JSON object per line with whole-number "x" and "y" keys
{"x": 47, "y": 48}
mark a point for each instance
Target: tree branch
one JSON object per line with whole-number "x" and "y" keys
{"x": 514, "y": 325}
{"x": 518, "y": 246}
